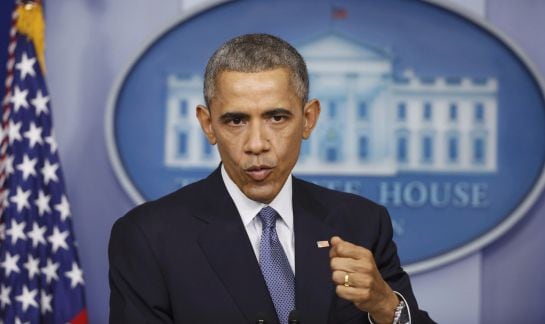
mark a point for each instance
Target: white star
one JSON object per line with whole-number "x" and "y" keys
{"x": 50, "y": 271}
{"x": 28, "y": 167}
{"x": 18, "y": 99}
{"x": 52, "y": 143}
{"x": 16, "y": 231}
{"x": 58, "y": 239}
{"x": 14, "y": 132}
{"x": 25, "y": 66}
{"x": 40, "y": 102}
{"x": 9, "y": 165}
{"x": 10, "y": 264}
{"x": 32, "y": 266}
{"x": 18, "y": 321}
{"x": 63, "y": 208}
{"x": 37, "y": 235}
{"x": 42, "y": 202}
{"x": 34, "y": 135}
{"x": 75, "y": 275}
{"x": 21, "y": 199}
{"x": 4, "y": 296}
{"x": 27, "y": 298}
{"x": 4, "y": 198}
{"x": 45, "y": 302}
{"x": 49, "y": 172}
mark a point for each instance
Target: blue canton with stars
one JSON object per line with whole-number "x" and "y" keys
{"x": 40, "y": 277}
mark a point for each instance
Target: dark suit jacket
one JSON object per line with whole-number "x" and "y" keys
{"x": 186, "y": 258}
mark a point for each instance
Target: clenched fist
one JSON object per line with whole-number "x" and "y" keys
{"x": 358, "y": 280}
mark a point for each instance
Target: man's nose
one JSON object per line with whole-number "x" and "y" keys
{"x": 257, "y": 140}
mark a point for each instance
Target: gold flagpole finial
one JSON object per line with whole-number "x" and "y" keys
{"x": 30, "y": 22}
{"x": 29, "y": 5}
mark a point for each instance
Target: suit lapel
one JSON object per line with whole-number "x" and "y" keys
{"x": 314, "y": 288}
{"x": 229, "y": 251}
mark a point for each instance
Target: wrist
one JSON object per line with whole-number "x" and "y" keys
{"x": 387, "y": 310}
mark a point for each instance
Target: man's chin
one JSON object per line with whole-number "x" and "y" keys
{"x": 261, "y": 194}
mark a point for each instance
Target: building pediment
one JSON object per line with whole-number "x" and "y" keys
{"x": 333, "y": 46}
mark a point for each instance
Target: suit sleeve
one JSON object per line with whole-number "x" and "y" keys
{"x": 388, "y": 263}
{"x": 138, "y": 293}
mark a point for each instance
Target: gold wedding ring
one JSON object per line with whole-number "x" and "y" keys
{"x": 347, "y": 280}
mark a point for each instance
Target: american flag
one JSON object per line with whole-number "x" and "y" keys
{"x": 41, "y": 280}
{"x": 339, "y": 12}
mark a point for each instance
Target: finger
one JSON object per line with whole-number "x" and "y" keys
{"x": 354, "y": 279}
{"x": 334, "y": 241}
{"x": 364, "y": 266}
{"x": 338, "y": 277}
{"x": 339, "y": 246}
{"x": 346, "y": 249}
{"x": 343, "y": 264}
{"x": 353, "y": 294}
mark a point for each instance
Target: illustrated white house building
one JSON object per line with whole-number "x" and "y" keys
{"x": 374, "y": 120}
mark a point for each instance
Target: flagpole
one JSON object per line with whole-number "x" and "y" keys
{"x": 6, "y": 110}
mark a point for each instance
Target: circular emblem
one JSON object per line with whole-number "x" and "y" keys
{"x": 433, "y": 114}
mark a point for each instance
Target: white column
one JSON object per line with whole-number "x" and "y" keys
{"x": 350, "y": 145}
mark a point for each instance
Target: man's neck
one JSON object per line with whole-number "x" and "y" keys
{"x": 282, "y": 203}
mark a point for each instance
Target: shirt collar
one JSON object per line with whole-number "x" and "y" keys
{"x": 248, "y": 208}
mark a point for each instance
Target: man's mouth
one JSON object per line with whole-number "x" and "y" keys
{"x": 258, "y": 173}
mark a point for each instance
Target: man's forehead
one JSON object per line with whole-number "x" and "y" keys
{"x": 263, "y": 87}
{"x": 268, "y": 83}
{"x": 249, "y": 74}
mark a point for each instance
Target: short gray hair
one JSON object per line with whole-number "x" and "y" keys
{"x": 256, "y": 53}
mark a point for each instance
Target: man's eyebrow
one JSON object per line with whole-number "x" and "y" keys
{"x": 233, "y": 115}
{"x": 277, "y": 111}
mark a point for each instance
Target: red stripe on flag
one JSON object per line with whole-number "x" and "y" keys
{"x": 81, "y": 318}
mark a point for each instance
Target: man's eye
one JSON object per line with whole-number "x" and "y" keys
{"x": 278, "y": 118}
{"x": 236, "y": 121}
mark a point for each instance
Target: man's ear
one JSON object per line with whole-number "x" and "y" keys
{"x": 311, "y": 112}
{"x": 205, "y": 119}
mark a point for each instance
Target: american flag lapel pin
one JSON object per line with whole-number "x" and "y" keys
{"x": 322, "y": 244}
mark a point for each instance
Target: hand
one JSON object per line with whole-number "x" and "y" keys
{"x": 367, "y": 290}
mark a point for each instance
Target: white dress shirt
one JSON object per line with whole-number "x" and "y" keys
{"x": 248, "y": 210}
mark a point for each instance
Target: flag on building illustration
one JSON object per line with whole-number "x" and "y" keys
{"x": 41, "y": 280}
{"x": 338, "y": 12}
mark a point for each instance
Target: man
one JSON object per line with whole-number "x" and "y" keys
{"x": 251, "y": 243}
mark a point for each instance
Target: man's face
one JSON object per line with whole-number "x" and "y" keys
{"x": 258, "y": 123}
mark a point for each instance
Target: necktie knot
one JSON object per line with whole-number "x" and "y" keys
{"x": 268, "y": 217}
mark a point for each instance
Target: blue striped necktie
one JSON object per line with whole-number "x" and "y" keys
{"x": 275, "y": 266}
